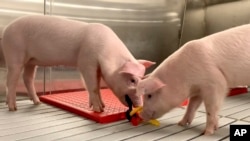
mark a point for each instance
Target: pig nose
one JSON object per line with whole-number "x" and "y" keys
{"x": 144, "y": 116}
{"x": 147, "y": 115}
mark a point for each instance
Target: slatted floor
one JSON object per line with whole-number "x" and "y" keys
{"x": 45, "y": 123}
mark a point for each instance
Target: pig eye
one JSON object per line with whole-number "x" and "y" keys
{"x": 149, "y": 96}
{"x": 132, "y": 80}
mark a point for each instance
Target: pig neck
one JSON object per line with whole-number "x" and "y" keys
{"x": 171, "y": 73}
{"x": 112, "y": 66}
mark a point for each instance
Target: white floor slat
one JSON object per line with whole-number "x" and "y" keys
{"x": 247, "y": 119}
{"x": 195, "y": 131}
{"x": 31, "y": 117}
{"x": 32, "y": 127}
{"x": 235, "y": 102}
{"x": 46, "y": 123}
{"x": 236, "y": 109}
{"x": 231, "y": 102}
{"x": 60, "y": 135}
{"x": 220, "y": 133}
{"x": 226, "y": 139}
{"x": 119, "y": 128}
{"x": 21, "y": 102}
{"x": 82, "y": 133}
{"x": 12, "y": 116}
{"x": 44, "y": 131}
{"x": 35, "y": 121}
{"x": 151, "y": 133}
{"x": 26, "y": 109}
{"x": 241, "y": 114}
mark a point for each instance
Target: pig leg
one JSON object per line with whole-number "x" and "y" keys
{"x": 28, "y": 78}
{"x": 213, "y": 98}
{"x": 92, "y": 82}
{"x": 12, "y": 80}
{"x": 194, "y": 103}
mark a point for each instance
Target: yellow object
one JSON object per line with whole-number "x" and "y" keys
{"x": 138, "y": 110}
{"x": 154, "y": 122}
{"x": 135, "y": 110}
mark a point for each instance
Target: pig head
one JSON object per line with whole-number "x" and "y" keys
{"x": 158, "y": 98}
{"x": 125, "y": 80}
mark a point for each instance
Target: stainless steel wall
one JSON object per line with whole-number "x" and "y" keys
{"x": 205, "y": 17}
{"x": 150, "y": 29}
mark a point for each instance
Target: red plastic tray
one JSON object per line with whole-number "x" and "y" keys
{"x": 77, "y": 102}
{"x": 238, "y": 90}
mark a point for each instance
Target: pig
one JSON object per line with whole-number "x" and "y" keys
{"x": 93, "y": 48}
{"x": 202, "y": 70}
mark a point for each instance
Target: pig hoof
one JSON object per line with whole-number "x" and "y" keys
{"x": 99, "y": 110}
{"x": 97, "y": 106}
{"x": 12, "y": 106}
{"x": 208, "y": 132}
{"x": 12, "y": 109}
{"x": 184, "y": 123}
{"x": 103, "y": 105}
{"x": 36, "y": 102}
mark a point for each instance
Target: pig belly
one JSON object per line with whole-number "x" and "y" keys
{"x": 39, "y": 54}
{"x": 52, "y": 61}
{"x": 235, "y": 68}
{"x": 52, "y": 55}
{"x": 238, "y": 75}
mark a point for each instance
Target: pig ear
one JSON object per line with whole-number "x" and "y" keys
{"x": 131, "y": 68}
{"x": 146, "y": 63}
{"x": 153, "y": 84}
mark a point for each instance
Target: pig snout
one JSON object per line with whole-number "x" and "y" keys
{"x": 147, "y": 115}
{"x": 136, "y": 100}
{"x": 132, "y": 102}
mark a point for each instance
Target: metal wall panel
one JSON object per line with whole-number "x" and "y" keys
{"x": 150, "y": 29}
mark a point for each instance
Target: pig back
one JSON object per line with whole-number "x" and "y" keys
{"x": 47, "y": 40}
{"x": 230, "y": 50}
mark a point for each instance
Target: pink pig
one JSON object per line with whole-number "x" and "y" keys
{"x": 202, "y": 70}
{"x": 91, "y": 47}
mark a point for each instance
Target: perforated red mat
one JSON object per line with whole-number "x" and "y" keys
{"x": 77, "y": 102}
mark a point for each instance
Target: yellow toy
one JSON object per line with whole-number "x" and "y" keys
{"x": 132, "y": 114}
{"x": 138, "y": 110}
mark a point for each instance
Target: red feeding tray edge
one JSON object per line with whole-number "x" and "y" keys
{"x": 238, "y": 90}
